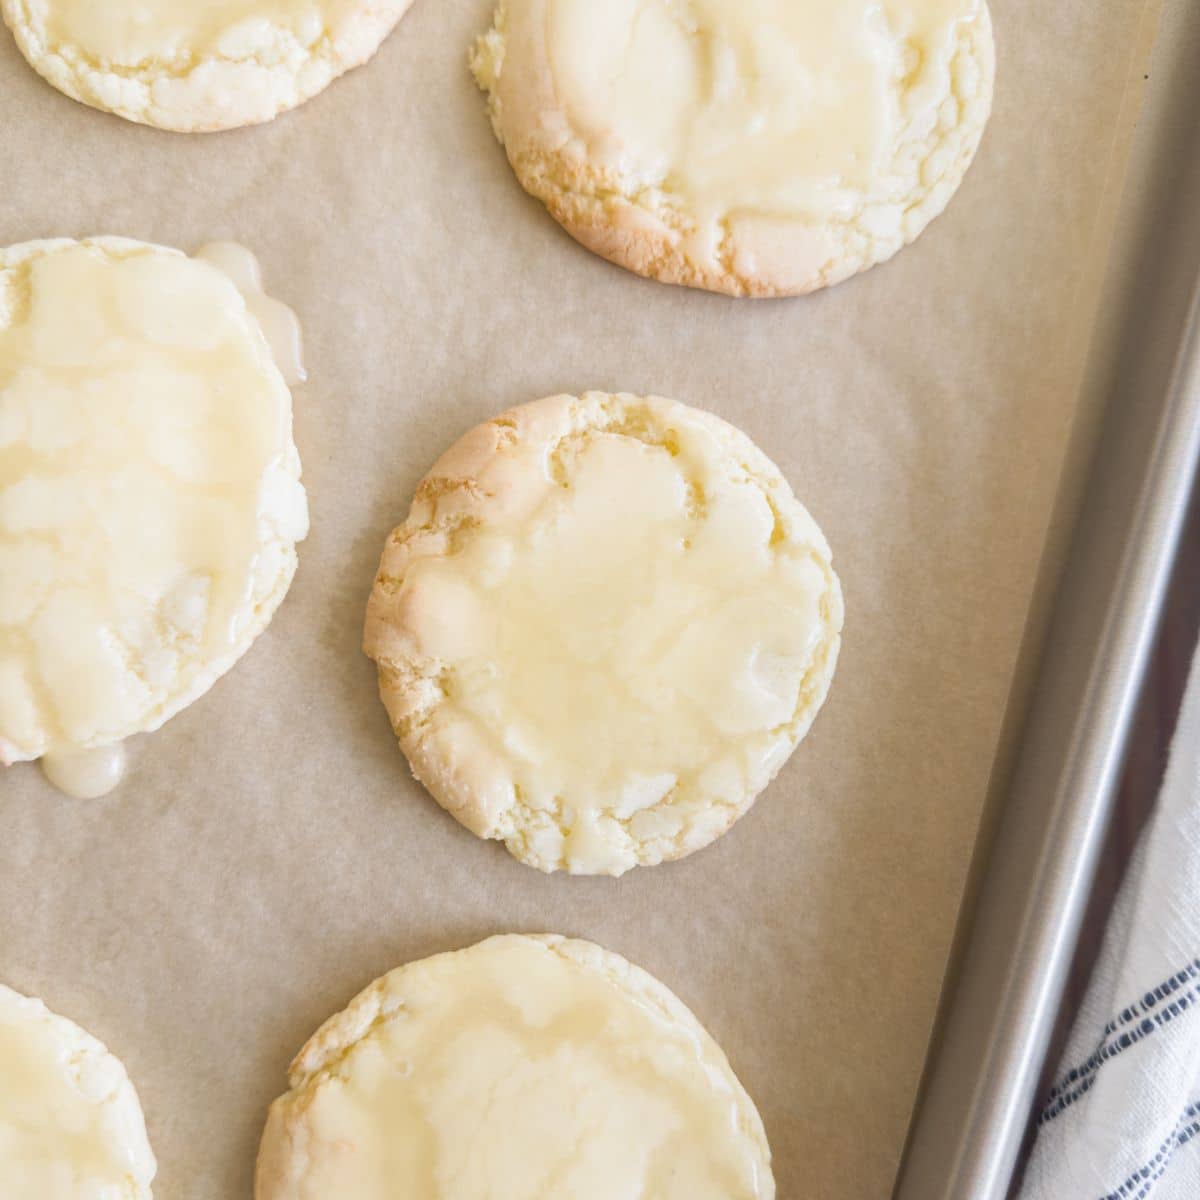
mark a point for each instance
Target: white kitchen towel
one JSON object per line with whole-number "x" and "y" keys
{"x": 1122, "y": 1120}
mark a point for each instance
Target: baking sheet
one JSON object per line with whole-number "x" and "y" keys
{"x": 269, "y": 855}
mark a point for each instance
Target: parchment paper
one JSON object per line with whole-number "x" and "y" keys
{"x": 270, "y": 855}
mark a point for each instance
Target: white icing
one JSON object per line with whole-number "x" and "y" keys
{"x": 134, "y": 32}
{"x": 280, "y": 324}
{"x": 86, "y": 774}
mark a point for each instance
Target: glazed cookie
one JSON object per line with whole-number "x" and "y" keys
{"x": 524, "y": 1066}
{"x": 150, "y": 495}
{"x": 192, "y": 67}
{"x": 752, "y": 147}
{"x": 603, "y": 628}
{"x": 70, "y": 1122}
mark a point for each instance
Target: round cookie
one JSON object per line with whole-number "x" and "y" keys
{"x": 751, "y": 147}
{"x": 524, "y": 1066}
{"x": 70, "y": 1122}
{"x": 150, "y": 495}
{"x": 603, "y": 628}
{"x": 198, "y": 66}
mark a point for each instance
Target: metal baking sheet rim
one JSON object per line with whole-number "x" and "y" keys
{"x": 1050, "y": 811}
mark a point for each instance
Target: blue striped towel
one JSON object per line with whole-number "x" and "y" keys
{"x": 1122, "y": 1120}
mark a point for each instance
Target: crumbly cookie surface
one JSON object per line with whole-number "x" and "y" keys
{"x": 750, "y": 147}
{"x": 71, "y": 1125}
{"x": 200, "y": 66}
{"x": 604, "y": 627}
{"x": 523, "y": 1066}
{"x": 150, "y": 495}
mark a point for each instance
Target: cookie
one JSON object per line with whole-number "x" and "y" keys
{"x": 603, "y": 628}
{"x": 196, "y": 67}
{"x": 524, "y": 1066}
{"x": 751, "y": 147}
{"x": 150, "y": 495}
{"x": 71, "y": 1125}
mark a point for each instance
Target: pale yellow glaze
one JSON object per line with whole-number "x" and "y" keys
{"x": 70, "y": 1127}
{"x": 516, "y": 1069}
{"x": 135, "y": 32}
{"x": 86, "y": 774}
{"x": 775, "y": 106}
{"x": 279, "y": 323}
{"x": 575, "y": 628}
{"x": 149, "y": 491}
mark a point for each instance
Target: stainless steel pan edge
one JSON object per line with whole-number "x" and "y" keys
{"x": 1049, "y": 810}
